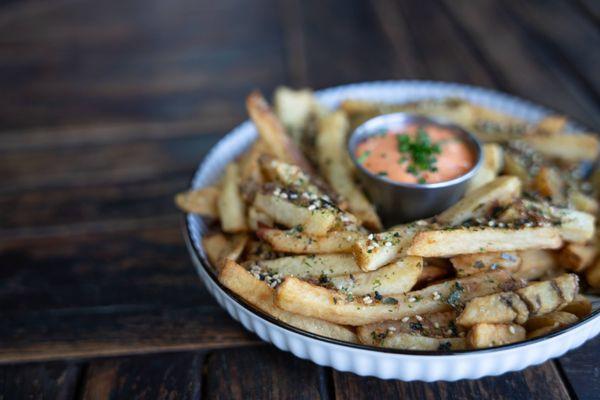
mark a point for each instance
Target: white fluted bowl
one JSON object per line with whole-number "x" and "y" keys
{"x": 364, "y": 360}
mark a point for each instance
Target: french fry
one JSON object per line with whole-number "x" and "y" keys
{"x": 497, "y": 308}
{"x": 407, "y": 341}
{"x": 547, "y": 296}
{"x": 469, "y": 264}
{"x": 583, "y": 202}
{"x": 490, "y": 335}
{"x": 550, "y": 184}
{"x": 577, "y": 257}
{"x": 248, "y": 162}
{"x": 555, "y": 319}
{"x": 258, "y": 220}
{"x": 514, "y": 165}
{"x": 220, "y": 248}
{"x": 536, "y": 264}
{"x": 580, "y": 306}
{"x": 377, "y": 250}
{"x": 326, "y": 266}
{"x": 567, "y": 147}
{"x": 500, "y": 192}
{"x": 292, "y": 241}
{"x": 232, "y": 210}
{"x": 273, "y": 133}
{"x": 397, "y": 277}
{"x": 493, "y": 161}
{"x": 301, "y": 297}
{"x": 314, "y": 221}
{"x": 448, "y": 243}
{"x": 551, "y": 125}
{"x": 432, "y": 273}
{"x": 200, "y": 201}
{"x": 592, "y": 275}
{"x": 260, "y": 295}
{"x": 288, "y": 175}
{"x": 332, "y": 157}
{"x": 295, "y": 108}
{"x": 440, "y": 325}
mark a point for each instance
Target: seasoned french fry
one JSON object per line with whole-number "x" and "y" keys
{"x": 304, "y": 298}
{"x": 248, "y": 162}
{"x": 550, "y": 184}
{"x": 377, "y": 250}
{"x": 273, "y": 133}
{"x": 490, "y": 335}
{"x": 551, "y": 125}
{"x": 258, "y": 220}
{"x": 536, "y": 264}
{"x": 448, "y": 243}
{"x": 493, "y": 161}
{"x": 295, "y": 108}
{"x": 409, "y": 341}
{"x": 232, "y": 210}
{"x": 580, "y": 307}
{"x": 592, "y": 275}
{"x": 547, "y": 296}
{"x": 313, "y": 220}
{"x": 583, "y": 202}
{"x": 555, "y": 319}
{"x": 200, "y": 201}
{"x": 500, "y": 192}
{"x": 260, "y": 295}
{"x": 497, "y": 308}
{"x": 397, "y": 277}
{"x": 440, "y": 325}
{"x": 332, "y": 157}
{"x": 577, "y": 257}
{"x": 575, "y": 147}
{"x": 293, "y": 241}
{"x": 219, "y": 248}
{"x": 514, "y": 166}
{"x": 432, "y": 273}
{"x": 326, "y": 266}
{"x": 288, "y": 175}
{"x": 469, "y": 264}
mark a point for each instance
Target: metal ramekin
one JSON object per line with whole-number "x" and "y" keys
{"x": 398, "y": 202}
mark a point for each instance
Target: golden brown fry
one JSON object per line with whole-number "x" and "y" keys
{"x": 199, "y": 201}
{"x": 397, "y": 277}
{"x": 260, "y": 295}
{"x": 490, "y": 335}
{"x": 312, "y": 266}
{"x": 469, "y": 264}
{"x": 292, "y": 241}
{"x": 314, "y": 221}
{"x": 546, "y": 296}
{"x": 592, "y": 275}
{"x": 220, "y": 248}
{"x": 448, "y": 243}
{"x": 583, "y": 202}
{"x": 493, "y": 162}
{"x": 580, "y": 307}
{"x": 332, "y": 156}
{"x": 497, "y": 308}
{"x": 577, "y": 257}
{"x": 500, "y": 192}
{"x": 567, "y": 147}
{"x": 551, "y": 125}
{"x": 273, "y": 133}
{"x": 232, "y": 210}
{"x": 536, "y": 264}
{"x": 407, "y": 341}
{"x": 304, "y": 298}
{"x": 556, "y": 319}
{"x": 550, "y": 184}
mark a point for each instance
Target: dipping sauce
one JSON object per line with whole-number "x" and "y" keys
{"x": 416, "y": 154}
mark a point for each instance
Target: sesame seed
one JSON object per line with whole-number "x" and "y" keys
{"x": 371, "y": 236}
{"x": 436, "y": 324}
{"x": 419, "y": 318}
{"x": 367, "y": 299}
{"x": 412, "y": 299}
{"x": 388, "y": 244}
{"x": 392, "y": 329}
{"x": 511, "y": 329}
{"x": 436, "y": 295}
{"x": 405, "y": 319}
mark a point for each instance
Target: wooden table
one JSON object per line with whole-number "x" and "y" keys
{"x": 106, "y": 108}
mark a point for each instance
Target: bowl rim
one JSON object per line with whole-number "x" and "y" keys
{"x": 594, "y": 315}
{"x": 354, "y": 140}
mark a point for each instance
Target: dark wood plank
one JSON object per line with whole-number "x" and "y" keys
{"x": 119, "y": 292}
{"x": 261, "y": 373}
{"x": 562, "y": 30}
{"x": 414, "y": 31}
{"x": 582, "y": 370}
{"x": 539, "y": 382}
{"x": 39, "y": 381}
{"x": 344, "y": 44}
{"x": 135, "y": 60}
{"x": 171, "y": 376}
{"x": 525, "y": 66}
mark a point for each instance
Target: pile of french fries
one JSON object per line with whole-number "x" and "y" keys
{"x": 298, "y": 239}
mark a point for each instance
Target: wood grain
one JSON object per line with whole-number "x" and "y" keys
{"x": 582, "y": 370}
{"x": 39, "y": 381}
{"x": 261, "y": 373}
{"x": 171, "y": 376}
{"x": 539, "y": 382}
